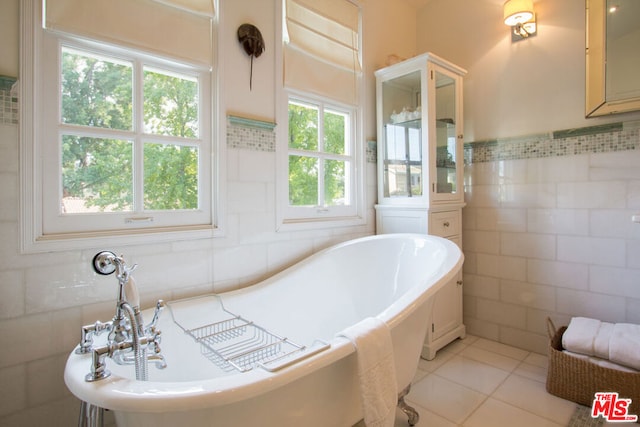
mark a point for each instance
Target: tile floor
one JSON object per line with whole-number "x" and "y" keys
{"x": 480, "y": 383}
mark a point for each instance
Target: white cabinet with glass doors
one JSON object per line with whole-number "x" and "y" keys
{"x": 420, "y": 168}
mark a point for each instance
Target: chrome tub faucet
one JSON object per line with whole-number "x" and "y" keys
{"x": 129, "y": 341}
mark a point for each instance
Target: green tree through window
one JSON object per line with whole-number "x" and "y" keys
{"x": 318, "y": 155}
{"x": 100, "y": 136}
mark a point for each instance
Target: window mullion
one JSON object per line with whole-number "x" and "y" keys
{"x": 304, "y": 153}
{"x": 95, "y": 132}
{"x": 321, "y": 128}
{"x": 321, "y": 151}
{"x": 321, "y": 183}
{"x": 138, "y": 146}
{"x": 338, "y": 157}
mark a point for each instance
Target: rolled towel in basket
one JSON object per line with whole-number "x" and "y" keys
{"x": 600, "y": 362}
{"x": 580, "y": 335}
{"x": 624, "y": 346}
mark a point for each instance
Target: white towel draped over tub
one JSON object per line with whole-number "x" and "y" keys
{"x": 376, "y": 370}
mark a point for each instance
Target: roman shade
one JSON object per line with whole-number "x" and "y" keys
{"x": 202, "y": 7}
{"x": 322, "y": 48}
{"x": 178, "y": 29}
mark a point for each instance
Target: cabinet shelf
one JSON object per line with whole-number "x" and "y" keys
{"x": 414, "y": 124}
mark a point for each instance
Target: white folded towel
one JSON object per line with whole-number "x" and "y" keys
{"x": 615, "y": 343}
{"x": 602, "y": 339}
{"x": 580, "y": 335}
{"x": 624, "y": 346}
{"x": 376, "y": 371}
{"x": 600, "y": 362}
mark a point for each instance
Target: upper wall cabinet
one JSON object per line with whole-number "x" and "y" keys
{"x": 419, "y": 114}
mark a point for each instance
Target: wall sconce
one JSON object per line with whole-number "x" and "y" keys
{"x": 520, "y": 16}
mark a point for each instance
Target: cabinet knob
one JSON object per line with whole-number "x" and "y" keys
{"x": 459, "y": 282}
{"x": 445, "y": 224}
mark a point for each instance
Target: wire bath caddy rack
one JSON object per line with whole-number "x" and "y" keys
{"x": 232, "y": 342}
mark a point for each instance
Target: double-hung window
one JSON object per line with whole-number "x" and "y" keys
{"x": 321, "y": 158}
{"x": 122, "y": 133}
{"x": 320, "y": 177}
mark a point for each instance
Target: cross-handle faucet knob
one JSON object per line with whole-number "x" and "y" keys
{"x": 88, "y": 331}
{"x": 156, "y": 316}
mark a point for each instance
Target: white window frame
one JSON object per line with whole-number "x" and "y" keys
{"x": 293, "y": 218}
{"x": 35, "y": 172}
{"x": 322, "y": 210}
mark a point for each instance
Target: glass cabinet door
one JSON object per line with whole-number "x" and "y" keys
{"x": 446, "y": 135}
{"x": 403, "y": 160}
{"x": 402, "y": 153}
{"x": 419, "y": 128}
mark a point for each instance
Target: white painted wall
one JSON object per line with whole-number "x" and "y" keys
{"x": 513, "y": 89}
{"x": 9, "y": 23}
{"x": 259, "y": 101}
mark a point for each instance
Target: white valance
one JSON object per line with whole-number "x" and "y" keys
{"x": 180, "y": 29}
{"x": 322, "y": 48}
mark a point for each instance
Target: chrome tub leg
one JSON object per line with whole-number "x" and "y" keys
{"x": 90, "y": 415}
{"x": 409, "y": 411}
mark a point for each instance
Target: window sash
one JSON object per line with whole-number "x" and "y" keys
{"x": 321, "y": 210}
{"x": 56, "y": 224}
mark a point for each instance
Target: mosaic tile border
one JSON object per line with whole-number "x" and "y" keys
{"x": 259, "y": 135}
{"x": 593, "y": 139}
{"x": 8, "y": 101}
{"x": 249, "y": 134}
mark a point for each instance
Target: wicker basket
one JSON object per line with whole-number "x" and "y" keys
{"x": 578, "y": 380}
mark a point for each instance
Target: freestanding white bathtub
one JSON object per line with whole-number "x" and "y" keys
{"x": 392, "y": 277}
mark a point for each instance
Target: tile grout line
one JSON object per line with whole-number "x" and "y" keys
{"x": 458, "y": 353}
{"x": 518, "y": 407}
{"x": 494, "y": 390}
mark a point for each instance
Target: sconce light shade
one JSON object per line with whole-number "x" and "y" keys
{"x": 520, "y": 16}
{"x": 518, "y": 12}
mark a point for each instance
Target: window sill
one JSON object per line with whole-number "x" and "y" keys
{"x": 75, "y": 241}
{"x": 301, "y": 224}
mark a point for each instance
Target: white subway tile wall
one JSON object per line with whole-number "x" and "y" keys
{"x": 548, "y": 232}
